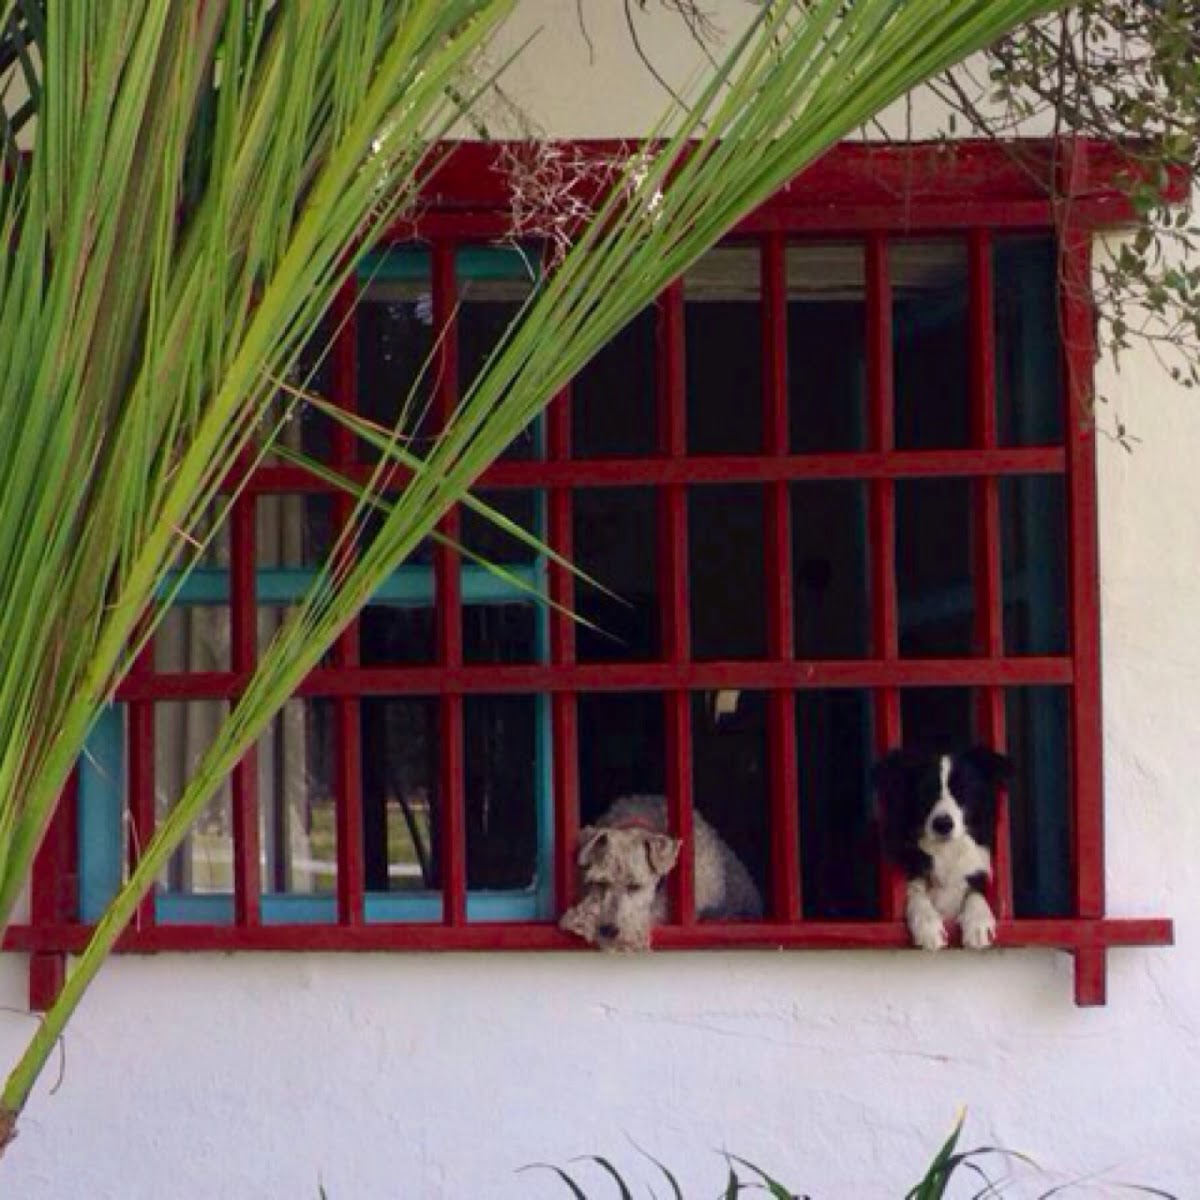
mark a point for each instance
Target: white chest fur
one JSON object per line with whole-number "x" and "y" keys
{"x": 953, "y": 862}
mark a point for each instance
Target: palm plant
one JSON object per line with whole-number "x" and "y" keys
{"x": 197, "y": 179}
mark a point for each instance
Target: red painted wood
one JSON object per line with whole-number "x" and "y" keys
{"x": 139, "y": 735}
{"x": 53, "y": 896}
{"x": 986, "y": 548}
{"x": 624, "y": 677}
{"x": 348, "y": 798}
{"x": 448, "y": 614}
{"x": 784, "y": 777}
{"x": 885, "y": 612}
{"x": 807, "y": 935}
{"x": 673, "y": 595}
{"x": 662, "y": 470}
{"x": 564, "y": 711}
{"x": 1091, "y": 977}
{"x": 247, "y": 883}
{"x": 1084, "y": 566}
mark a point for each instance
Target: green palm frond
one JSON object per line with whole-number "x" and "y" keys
{"x": 200, "y": 178}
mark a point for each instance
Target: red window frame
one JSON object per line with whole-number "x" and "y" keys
{"x": 969, "y": 189}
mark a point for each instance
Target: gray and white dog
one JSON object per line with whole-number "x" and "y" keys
{"x": 624, "y": 859}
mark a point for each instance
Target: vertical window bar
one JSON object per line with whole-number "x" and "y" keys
{"x": 564, "y": 705}
{"x": 884, "y": 608}
{"x": 989, "y": 608}
{"x": 52, "y": 895}
{"x": 1078, "y": 337}
{"x": 140, "y": 756}
{"x": 786, "y": 886}
{"x": 347, "y": 718}
{"x": 247, "y": 884}
{"x": 673, "y": 589}
{"x": 449, "y": 608}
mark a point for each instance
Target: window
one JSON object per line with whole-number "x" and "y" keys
{"x": 838, "y": 487}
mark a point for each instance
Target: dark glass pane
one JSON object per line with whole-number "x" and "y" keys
{"x": 729, "y": 775}
{"x": 1028, "y": 371}
{"x": 613, "y": 397}
{"x": 1039, "y": 801}
{"x": 614, "y": 532}
{"x": 621, "y": 749}
{"x": 938, "y": 718}
{"x": 500, "y": 633}
{"x": 400, "y": 793}
{"x": 305, "y": 427}
{"x": 491, "y": 542}
{"x": 723, "y": 317}
{"x": 494, "y": 284}
{"x": 499, "y": 736}
{"x": 395, "y": 346}
{"x": 1034, "y": 518}
{"x": 829, "y": 565}
{"x": 826, "y": 333}
{"x": 393, "y": 635}
{"x": 725, "y": 552}
{"x": 931, "y": 346}
{"x": 293, "y": 531}
{"x": 933, "y": 567}
{"x": 838, "y": 855}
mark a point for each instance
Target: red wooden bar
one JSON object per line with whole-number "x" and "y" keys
{"x": 53, "y": 898}
{"x": 1084, "y": 567}
{"x": 786, "y": 883}
{"x": 885, "y": 615}
{"x": 347, "y": 714}
{"x": 564, "y": 705}
{"x": 986, "y": 549}
{"x": 1081, "y": 937}
{"x": 139, "y": 740}
{"x": 243, "y": 600}
{"x": 661, "y": 470}
{"x": 673, "y": 594}
{"x": 448, "y": 615}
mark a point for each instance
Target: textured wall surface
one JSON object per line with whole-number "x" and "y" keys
{"x": 193, "y": 1078}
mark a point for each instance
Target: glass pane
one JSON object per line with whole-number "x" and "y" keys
{"x": 933, "y": 567}
{"x": 193, "y": 638}
{"x": 491, "y": 542}
{"x": 838, "y": 853}
{"x": 1028, "y": 371}
{"x": 1033, "y": 512}
{"x": 613, "y": 397}
{"x": 614, "y": 538}
{"x": 723, "y": 333}
{"x": 394, "y": 323}
{"x": 730, "y": 780}
{"x": 271, "y": 619}
{"x": 182, "y": 733}
{"x": 502, "y": 782}
{"x": 621, "y": 749}
{"x": 293, "y": 531}
{"x": 400, "y": 788}
{"x": 494, "y": 283}
{"x": 296, "y": 803}
{"x": 726, "y": 571}
{"x": 829, "y": 565}
{"x": 826, "y": 346}
{"x": 939, "y": 718}
{"x": 1039, "y": 800}
{"x": 393, "y": 635}
{"x": 501, "y": 633}
{"x": 931, "y": 344}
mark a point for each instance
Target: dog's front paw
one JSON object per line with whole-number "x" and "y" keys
{"x": 928, "y": 930}
{"x": 978, "y": 926}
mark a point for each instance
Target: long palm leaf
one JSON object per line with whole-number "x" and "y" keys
{"x": 162, "y": 336}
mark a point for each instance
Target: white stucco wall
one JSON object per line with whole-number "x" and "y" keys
{"x": 195, "y": 1078}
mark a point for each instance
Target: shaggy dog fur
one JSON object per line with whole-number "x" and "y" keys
{"x": 624, "y": 859}
{"x": 939, "y": 814}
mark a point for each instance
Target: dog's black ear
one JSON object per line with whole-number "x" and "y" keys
{"x": 993, "y": 767}
{"x": 662, "y": 852}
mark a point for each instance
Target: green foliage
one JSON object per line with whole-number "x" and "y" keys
{"x": 198, "y": 179}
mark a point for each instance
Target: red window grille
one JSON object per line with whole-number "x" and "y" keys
{"x": 971, "y": 192}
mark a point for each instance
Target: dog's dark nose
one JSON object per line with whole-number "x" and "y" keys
{"x": 942, "y": 825}
{"x": 607, "y": 932}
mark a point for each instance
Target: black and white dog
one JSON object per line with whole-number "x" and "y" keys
{"x": 939, "y": 818}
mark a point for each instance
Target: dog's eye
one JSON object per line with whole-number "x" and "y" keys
{"x": 632, "y": 889}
